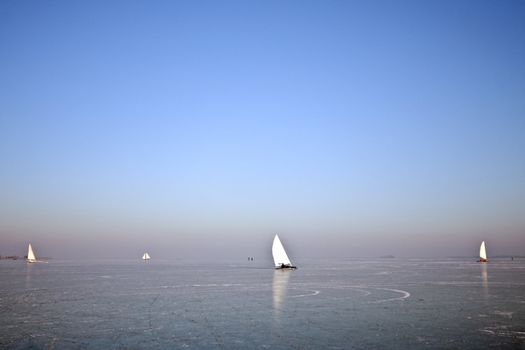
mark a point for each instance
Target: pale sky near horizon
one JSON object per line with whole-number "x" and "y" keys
{"x": 202, "y": 128}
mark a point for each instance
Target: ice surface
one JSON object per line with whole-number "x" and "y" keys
{"x": 357, "y": 304}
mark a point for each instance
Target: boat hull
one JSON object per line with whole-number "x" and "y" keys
{"x": 286, "y": 267}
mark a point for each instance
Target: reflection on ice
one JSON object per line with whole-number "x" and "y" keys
{"x": 279, "y": 285}
{"x": 28, "y": 276}
{"x": 484, "y": 280}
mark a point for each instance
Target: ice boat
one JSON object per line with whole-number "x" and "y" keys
{"x": 280, "y": 258}
{"x": 146, "y": 257}
{"x": 482, "y": 253}
{"x": 31, "y": 258}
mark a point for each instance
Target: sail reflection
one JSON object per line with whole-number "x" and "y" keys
{"x": 279, "y": 286}
{"x": 484, "y": 280}
{"x": 29, "y": 268}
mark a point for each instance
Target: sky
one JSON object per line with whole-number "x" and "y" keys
{"x": 199, "y": 129}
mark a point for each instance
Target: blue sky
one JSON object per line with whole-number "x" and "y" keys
{"x": 351, "y": 128}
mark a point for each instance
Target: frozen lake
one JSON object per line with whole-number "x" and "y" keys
{"x": 344, "y": 304}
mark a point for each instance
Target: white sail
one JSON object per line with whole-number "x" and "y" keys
{"x": 279, "y": 254}
{"x": 146, "y": 256}
{"x": 30, "y": 255}
{"x": 482, "y": 251}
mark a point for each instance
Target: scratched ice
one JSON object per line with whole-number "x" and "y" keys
{"x": 358, "y": 304}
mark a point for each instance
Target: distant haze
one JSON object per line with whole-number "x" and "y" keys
{"x": 199, "y": 130}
